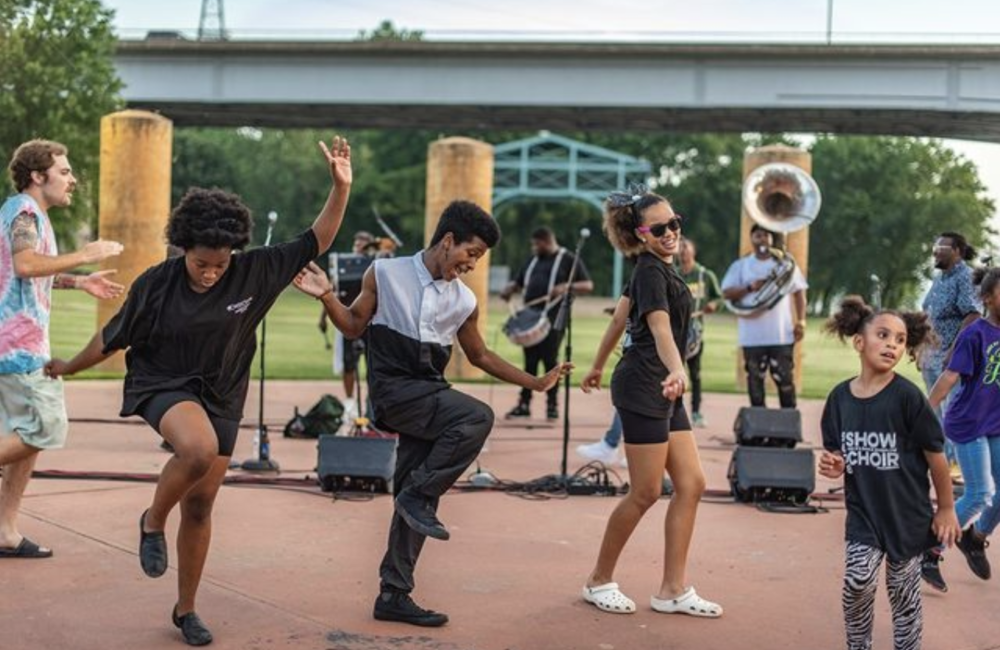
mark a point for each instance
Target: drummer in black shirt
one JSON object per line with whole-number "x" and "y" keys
{"x": 544, "y": 280}
{"x": 189, "y": 327}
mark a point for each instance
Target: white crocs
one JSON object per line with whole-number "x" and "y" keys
{"x": 687, "y": 603}
{"x": 608, "y": 598}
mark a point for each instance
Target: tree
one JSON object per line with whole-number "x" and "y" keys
{"x": 57, "y": 79}
{"x": 884, "y": 202}
{"x": 386, "y": 31}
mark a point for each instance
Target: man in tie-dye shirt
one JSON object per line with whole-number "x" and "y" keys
{"x": 32, "y": 410}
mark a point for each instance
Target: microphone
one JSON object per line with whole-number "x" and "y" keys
{"x": 874, "y": 278}
{"x": 272, "y": 218}
{"x": 584, "y": 233}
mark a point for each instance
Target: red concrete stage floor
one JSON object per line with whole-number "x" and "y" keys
{"x": 294, "y": 568}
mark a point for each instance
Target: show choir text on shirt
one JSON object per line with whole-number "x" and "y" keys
{"x": 869, "y": 449}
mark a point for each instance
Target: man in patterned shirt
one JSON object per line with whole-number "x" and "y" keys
{"x": 951, "y": 302}
{"x": 32, "y": 410}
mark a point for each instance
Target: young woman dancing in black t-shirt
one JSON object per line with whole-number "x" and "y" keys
{"x": 879, "y": 428}
{"x": 189, "y": 326}
{"x": 646, "y": 388}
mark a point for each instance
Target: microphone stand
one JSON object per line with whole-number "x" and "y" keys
{"x": 564, "y": 320}
{"x": 262, "y": 444}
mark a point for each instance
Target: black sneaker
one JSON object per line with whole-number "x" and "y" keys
{"x": 399, "y": 607}
{"x": 522, "y": 410}
{"x": 552, "y": 413}
{"x": 973, "y": 546}
{"x": 418, "y": 513}
{"x": 194, "y": 631}
{"x": 930, "y": 571}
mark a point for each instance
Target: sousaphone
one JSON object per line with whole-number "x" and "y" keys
{"x": 783, "y": 199}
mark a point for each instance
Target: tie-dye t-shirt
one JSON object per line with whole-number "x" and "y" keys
{"x": 24, "y": 302}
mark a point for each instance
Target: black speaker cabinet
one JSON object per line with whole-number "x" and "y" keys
{"x": 757, "y": 426}
{"x": 761, "y": 474}
{"x": 356, "y": 463}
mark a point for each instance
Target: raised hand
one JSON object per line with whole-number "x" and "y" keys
{"x": 552, "y": 377}
{"x": 592, "y": 380}
{"x": 338, "y": 156}
{"x": 98, "y": 285}
{"x": 312, "y": 281}
{"x": 101, "y": 249}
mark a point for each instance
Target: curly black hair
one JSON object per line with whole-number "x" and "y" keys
{"x": 854, "y": 314}
{"x": 465, "y": 220}
{"x": 212, "y": 218}
{"x": 986, "y": 278}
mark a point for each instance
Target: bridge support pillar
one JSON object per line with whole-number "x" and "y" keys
{"x": 461, "y": 169}
{"x": 135, "y": 199}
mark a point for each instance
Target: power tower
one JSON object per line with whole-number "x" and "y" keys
{"x": 212, "y": 26}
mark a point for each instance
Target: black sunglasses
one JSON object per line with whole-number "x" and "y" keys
{"x": 660, "y": 229}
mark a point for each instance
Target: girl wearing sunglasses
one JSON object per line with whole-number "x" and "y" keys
{"x": 646, "y": 389}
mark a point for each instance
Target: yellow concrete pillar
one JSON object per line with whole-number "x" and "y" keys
{"x": 796, "y": 243}
{"x": 461, "y": 169}
{"x": 135, "y": 199}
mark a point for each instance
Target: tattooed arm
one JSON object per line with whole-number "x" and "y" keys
{"x": 29, "y": 263}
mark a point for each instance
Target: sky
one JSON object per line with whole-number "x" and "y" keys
{"x": 922, "y": 21}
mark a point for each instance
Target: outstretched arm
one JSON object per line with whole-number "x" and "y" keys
{"x": 28, "y": 263}
{"x": 941, "y": 388}
{"x": 352, "y": 320}
{"x": 609, "y": 342}
{"x": 87, "y": 357}
{"x": 485, "y": 359}
{"x": 338, "y": 156}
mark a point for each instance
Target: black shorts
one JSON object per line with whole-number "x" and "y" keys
{"x": 154, "y": 408}
{"x": 638, "y": 429}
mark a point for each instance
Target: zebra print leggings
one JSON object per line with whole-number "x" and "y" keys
{"x": 902, "y": 581}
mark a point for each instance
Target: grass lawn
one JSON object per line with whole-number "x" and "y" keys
{"x": 295, "y": 348}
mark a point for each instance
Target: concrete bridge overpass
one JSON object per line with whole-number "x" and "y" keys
{"x": 928, "y": 90}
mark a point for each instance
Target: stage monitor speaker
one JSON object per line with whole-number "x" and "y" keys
{"x": 356, "y": 463}
{"x": 760, "y": 474}
{"x": 756, "y": 426}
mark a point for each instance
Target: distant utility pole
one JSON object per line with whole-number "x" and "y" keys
{"x": 212, "y": 26}
{"x": 829, "y": 21}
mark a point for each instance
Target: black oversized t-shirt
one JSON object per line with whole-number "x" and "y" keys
{"x": 883, "y": 439}
{"x": 635, "y": 384}
{"x": 537, "y": 285}
{"x": 204, "y": 343}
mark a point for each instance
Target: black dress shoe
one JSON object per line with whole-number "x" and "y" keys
{"x": 152, "y": 550}
{"x": 194, "y": 631}
{"x": 522, "y": 410}
{"x": 399, "y": 607}
{"x": 418, "y": 513}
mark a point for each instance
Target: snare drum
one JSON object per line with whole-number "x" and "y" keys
{"x": 528, "y": 327}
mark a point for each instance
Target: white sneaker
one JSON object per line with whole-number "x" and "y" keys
{"x": 600, "y": 451}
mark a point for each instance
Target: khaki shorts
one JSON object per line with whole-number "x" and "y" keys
{"x": 33, "y": 406}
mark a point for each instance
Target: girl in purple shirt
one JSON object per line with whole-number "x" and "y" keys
{"x": 972, "y": 422}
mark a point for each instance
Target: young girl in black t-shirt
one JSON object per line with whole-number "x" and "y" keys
{"x": 189, "y": 328}
{"x": 879, "y": 428}
{"x": 646, "y": 389}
